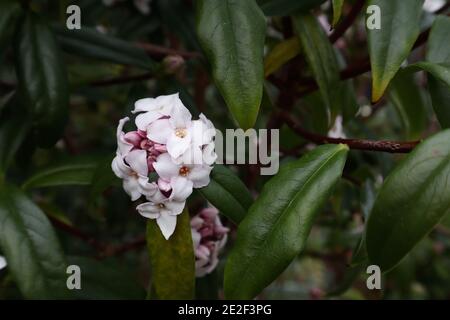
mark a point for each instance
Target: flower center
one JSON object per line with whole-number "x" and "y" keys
{"x": 133, "y": 174}
{"x": 181, "y": 132}
{"x": 161, "y": 206}
{"x": 184, "y": 171}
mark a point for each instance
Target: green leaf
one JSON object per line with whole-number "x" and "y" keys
{"x": 10, "y": 12}
{"x": 410, "y": 104}
{"x": 286, "y": 7}
{"x": 42, "y": 80}
{"x": 337, "y": 11}
{"x": 76, "y": 171}
{"x": 31, "y": 247}
{"x": 280, "y": 54}
{"x": 228, "y": 194}
{"x": 321, "y": 58}
{"x": 391, "y": 45}
{"x": 172, "y": 261}
{"x": 413, "y": 199}
{"x": 106, "y": 280}
{"x": 439, "y": 52}
{"x": 440, "y": 96}
{"x": 232, "y": 33}
{"x": 14, "y": 126}
{"x": 440, "y": 71}
{"x": 89, "y": 43}
{"x": 277, "y": 225}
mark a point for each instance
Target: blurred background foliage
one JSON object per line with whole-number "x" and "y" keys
{"x": 125, "y": 53}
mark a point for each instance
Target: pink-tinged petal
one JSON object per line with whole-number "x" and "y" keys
{"x": 149, "y": 210}
{"x": 131, "y": 187}
{"x": 158, "y": 198}
{"x": 165, "y": 167}
{"x": 159, "y": 131}
{"x": 209, "y": 212}
{"x": 123, "y": 147}
{"x": 196, "y": 222}
{"x": 137, "y": 159}
{"x": 120, "y": 168}
{"x": 167, "y": 224}
{"x": 176, "y": 146}
{"x": 174, "y": 207}
{"x": 160, "y": 147}
{"x": 164, "y": 185}
{"x": 148, "y": 189}
{"x": 181, "y": 188}
{"x": 145, "y": 119}
{"x": 199, "y": 175}
{"x": 134, "y": 138}
{"x": 196, "y": 237}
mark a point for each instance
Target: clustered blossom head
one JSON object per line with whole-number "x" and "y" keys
{"x": 209, "y": 237}
{"x": 171, "y": 148}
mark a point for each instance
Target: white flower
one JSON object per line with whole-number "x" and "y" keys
{"x": 167, "y": 169}
{"x": 133, "y": 169}
{"x": 165, "y": 141}
{"x": 164, "y": 210}
{"x": 3, "y": 263}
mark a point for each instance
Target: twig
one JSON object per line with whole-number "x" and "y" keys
{"x": 356, "y": 144}
{"x": 160, "y": 51}
{"x": 121, "y": 80}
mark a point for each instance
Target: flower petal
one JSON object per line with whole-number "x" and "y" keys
{"x": 199, "y": 175}
{"x": 175, "y": 207}
{"x": 123, "y": 147}
{"x": 131, "y": 187}
{"x": 180, "y": 117}
{"x": 181, "y": 188}
{"x": 148, "y": 189}
{"x": 167, "y": 224}
{"x": 120, "y": 168}
{"x": 145, "y": 119}
{"x": 159, "y": 131}
{"x": 149, "y": 210}
{"x": 163, "y": 104}
{"x": 137, "y": 159}
{"x": 165, "y": 167}
{"x": 176, "y": 146}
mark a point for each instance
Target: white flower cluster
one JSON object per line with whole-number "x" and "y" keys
{"x": 169, "y": 143}
{"x": 209, "y": 237}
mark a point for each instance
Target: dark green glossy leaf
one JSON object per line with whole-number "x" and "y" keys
{"x": 106, "y": 280}
{"x": 10, "y": 11}
{"x": 277, "y": 225}
{"x": 172, "y": 261}
{"x": 76, "y": 171}
{"x": 31, "y": 247}
{"x": 228, "y": 194}
{"x": 439, "y": 52}
{"x": 14, "y": 125}
{"x": 42, "y": 80}
{"x": 390, "y": 45}
{"x": 410, "y": 104}
{"x": 286, "y": 7}
{"x": 232, "y": 33}
{"x": 440, "y": 71}
{"x": 280, "y": 54}
{"x": 321, "y": 58}
{"x": 440, "y": 97}
{"x": 92, "y": 44}
{"x": 413, "y": 199}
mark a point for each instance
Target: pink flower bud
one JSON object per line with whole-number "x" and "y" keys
{"x": 173, "y": 64}
{"x": 161, "y": 148}
{"x": 164, "y": 185}
{"x": 133, "y": 137}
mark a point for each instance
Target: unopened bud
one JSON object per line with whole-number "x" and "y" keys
{"x": 173, "y": 64}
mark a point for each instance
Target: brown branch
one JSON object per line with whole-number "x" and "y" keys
{"x": 160, "y": 51}
{"x": 121, "y": 80}
{"x": 347, "y": 22}
{"x": 356, "y": 144}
